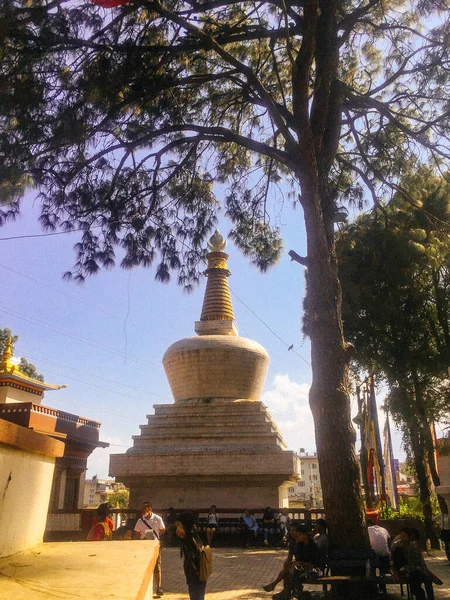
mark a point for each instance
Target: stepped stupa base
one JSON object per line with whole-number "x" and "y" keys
{"x": 199, "y": 492}
{"x": 198, "y": 453}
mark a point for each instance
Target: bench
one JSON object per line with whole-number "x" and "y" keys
{"x": 334, "y": 581}
{"x": 231, "y": 531}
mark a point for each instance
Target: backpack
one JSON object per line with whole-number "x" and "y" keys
{"x": 205, "y": 561}
{"x": 107, "y": 533}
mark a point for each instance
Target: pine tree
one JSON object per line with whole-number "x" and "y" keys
{"x": 125, "y": 120}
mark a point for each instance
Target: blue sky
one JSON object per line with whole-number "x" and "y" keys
{"x": 106, "y": 338}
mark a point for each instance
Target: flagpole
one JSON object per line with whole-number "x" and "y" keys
{"x": 378, "y": 449}
{"x": 363, "y": 449}
{"x": 391, "y": 465}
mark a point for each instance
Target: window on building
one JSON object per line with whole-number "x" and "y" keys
{"x": 71, "y": 493}
{"x": 301, "y": 483}
{"x": 303, "y": 471}
{"x": 315, "y": 477}
{"x": 56, "y": 484}
{"x": 314, "y": 466}
{"x": 291, "y": 490}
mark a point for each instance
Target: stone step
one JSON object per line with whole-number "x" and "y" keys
{"x": 175, "y": 438}
{"x": 206, "y": 421}
{"x": 216, "y": 406}
{"x": 169, "y": 427}
{"x": 206, "y": 449}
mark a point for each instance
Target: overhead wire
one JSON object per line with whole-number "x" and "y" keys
{"x": 91, "y": 407}
{"x": 44, "y": 325}
{"x": 286, "y": 344}
{"x": 39, "y": 235}
{"x": 119, "y": 393}
{"x": 89, "y": 304}
{"x": 90, "y": 374}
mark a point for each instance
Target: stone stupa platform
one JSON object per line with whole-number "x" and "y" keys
{"x": 217, "y": 444}
{"x": 201, "y": 452}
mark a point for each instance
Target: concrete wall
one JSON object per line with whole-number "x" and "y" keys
{"x": 196, "y": 493}
{"x": 27, "y": 461}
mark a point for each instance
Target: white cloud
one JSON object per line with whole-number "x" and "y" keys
{"x": 288, "y": 403}
{"x": 98, "y": 462}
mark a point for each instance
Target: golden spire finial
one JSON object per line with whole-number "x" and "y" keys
{"x": 217, "y": 312}
{"x": 5, "y": 362}
{"x": 216, "y": 242}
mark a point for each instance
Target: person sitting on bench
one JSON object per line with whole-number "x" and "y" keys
{"x": 249, "y": 528}
{"x": 306, "y": 557}
{"x": 285, "y": 575}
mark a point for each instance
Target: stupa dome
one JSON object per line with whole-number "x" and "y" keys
{"x": 216, "y": 363}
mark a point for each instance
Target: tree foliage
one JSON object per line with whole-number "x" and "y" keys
{"x": 119, "y": 499}
{"x": 394, "y": 270}
{"x": 28, "y": 368}
{"x": 124, "y": 120}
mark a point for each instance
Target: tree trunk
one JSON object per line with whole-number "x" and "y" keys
{"x": 328, "y": 397}
{"x": 424, "y": 481}
{"x": 430, "y": 474}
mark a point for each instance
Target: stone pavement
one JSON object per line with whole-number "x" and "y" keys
{"x": 238, "y": 574}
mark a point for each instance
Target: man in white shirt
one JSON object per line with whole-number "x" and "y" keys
{"x": 149, "y": 521}
{"x": 380, "y": 541}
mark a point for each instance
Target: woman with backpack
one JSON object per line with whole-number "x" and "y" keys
{"x": 102, "y": 526}
{"x": 191, "y": 548}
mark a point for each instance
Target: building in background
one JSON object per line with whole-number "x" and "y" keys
{"x": 21, "y": 403}
{"x": 307, "y": 491}
{"x": 406, "y": 483}
{"x": 97, "y": 491}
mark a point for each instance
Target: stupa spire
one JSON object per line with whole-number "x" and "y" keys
{"x": 217, "y": 315}
{"x": 5, "y": 361}
{"x": 10, "y": 371}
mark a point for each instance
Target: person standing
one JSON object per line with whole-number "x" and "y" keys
{"x": 190, "y": 543}
{"x": 149, "y": 521}
{"x": 102, "y": 526}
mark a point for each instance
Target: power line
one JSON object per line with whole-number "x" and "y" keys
{"x": 94, "y": 408}
{"x": 78, "y": 338}
{"x": 39, "y": 235}
{"x": 122, "y": 394}
{"x": 84, "y": 371}
{"x": 288, "y": 346}
{"x": 118, "y": 445}
{"x": 106, "y": 312}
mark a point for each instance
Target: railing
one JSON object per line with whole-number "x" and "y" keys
{"x": 29, "y": 407}
{"x": 66, "y": 522}
{"x": 64, "y": 416}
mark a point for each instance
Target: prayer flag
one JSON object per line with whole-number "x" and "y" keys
{"x": 375, "y": 463}
{"x": 391, "y": 482}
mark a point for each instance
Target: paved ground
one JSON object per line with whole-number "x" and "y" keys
{"x": 238, "y": 574}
